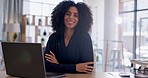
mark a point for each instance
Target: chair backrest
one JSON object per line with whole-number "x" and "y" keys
{"x": 0, "y": 50}
{"x": 1, "y": 56}
{"x": 2, "y": 66}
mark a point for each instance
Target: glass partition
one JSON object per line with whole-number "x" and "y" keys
{"x": 142, "y": 4}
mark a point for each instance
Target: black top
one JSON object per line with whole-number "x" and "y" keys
{"x": 79, "y": 50}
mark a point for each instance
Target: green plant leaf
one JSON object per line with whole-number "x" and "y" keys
{"x": 14, "y": 36}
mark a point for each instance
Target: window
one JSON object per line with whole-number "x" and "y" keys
{"x": 135, "y": 19}
{"x": 127, "y": 5}
{"x": 142, "y": 4}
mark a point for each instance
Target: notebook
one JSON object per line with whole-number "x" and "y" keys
{"x": 26, "y": 60}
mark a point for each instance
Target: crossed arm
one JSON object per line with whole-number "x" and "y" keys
{"x": 80, "y": 67}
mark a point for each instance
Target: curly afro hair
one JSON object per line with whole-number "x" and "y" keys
{"x": 57, "y": 16}
{"x": 85, "y": 17}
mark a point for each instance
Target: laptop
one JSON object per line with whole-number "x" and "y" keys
{"x": 26, "y": 60}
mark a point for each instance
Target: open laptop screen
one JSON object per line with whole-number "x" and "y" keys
{"x": 24, "y": 59}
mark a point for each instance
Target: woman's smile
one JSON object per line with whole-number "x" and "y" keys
{"x": 71, "y": 18}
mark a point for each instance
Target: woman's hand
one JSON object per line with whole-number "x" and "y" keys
{"x": 51, "y": 58}
{"x": 84, "y": 67}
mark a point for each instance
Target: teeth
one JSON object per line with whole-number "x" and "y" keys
{"x": 70, "y": 22}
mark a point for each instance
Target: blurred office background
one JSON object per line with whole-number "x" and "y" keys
{"x": 119, "y": 32}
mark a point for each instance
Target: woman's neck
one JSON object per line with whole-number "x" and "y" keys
{"x": 67, "y": 35}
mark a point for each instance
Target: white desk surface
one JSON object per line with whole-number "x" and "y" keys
{"x": 143, "y": 63}
{"x": 93, "y": 75}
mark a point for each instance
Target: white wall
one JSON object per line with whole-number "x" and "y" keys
{"x": 110, "y": 28}
{"x": 97, "y": 7}
{"x": 104, "y": 27}
{"x": 1, "y": 18}
{"x": 111, "y": 12}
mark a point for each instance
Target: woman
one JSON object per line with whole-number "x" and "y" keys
{"x": 69, "y": 48}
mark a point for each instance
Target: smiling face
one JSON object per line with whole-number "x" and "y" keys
{"x": 71, "y": 18}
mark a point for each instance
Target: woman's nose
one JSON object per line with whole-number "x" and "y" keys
{"x": 71, "y": 16}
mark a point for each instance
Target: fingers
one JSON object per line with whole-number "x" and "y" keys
{"x": 51, "y": 58}
{"x": 85, "y": 67}
{"x": 47, "y": 56}
{"x": 88, "y": 69}
{"x": 52, "y": 54}
{"x": 89, "y": 63}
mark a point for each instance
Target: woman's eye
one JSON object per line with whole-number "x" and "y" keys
{"x": 76, "y": 15}
{"x": 68, "y": 14}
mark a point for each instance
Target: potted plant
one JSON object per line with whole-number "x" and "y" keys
{"x": 14, "y": 37}
{"x": 43, "y": 42}
{"x": 44, "y": 33}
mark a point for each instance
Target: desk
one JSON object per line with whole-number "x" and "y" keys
{"x": 140, "y": 62}
{"x": 93, "y": 75}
